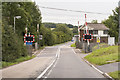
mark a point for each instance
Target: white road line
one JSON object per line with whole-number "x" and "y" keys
{"x": 109, "y": 76}
{"x": 95, "y": 67}
{"x": 49, "y": 73}
{"x": 54, "y": 63}
{"x": 73, "y": 51}
{"x": 40, "y": 76}
{"x": 98, "y": 69}
{"x": 57, "y": 55}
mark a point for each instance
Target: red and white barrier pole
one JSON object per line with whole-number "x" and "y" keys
{"x": 86, "y": 29}
{"x": 78, "y": 31}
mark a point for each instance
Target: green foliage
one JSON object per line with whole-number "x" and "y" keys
{"x": 75, "y": 30}
{"x": 94, "y": 21}
{"x": 103, "y": 55}
{"x": 63, "y": 32}
{"x": 7, "y": 64}
{"x": 59, "y": 35}
{"x": 54, "y": 25}
{"x": 12, "y": 43}
{"x": 115, "y": 75}
{"x": 73, "y": 45}
{"x": 101, "y": 45}
{"x": 30, "y": 16}
{"x": 113, "y": 23}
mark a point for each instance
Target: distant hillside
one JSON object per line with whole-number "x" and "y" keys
{"x": 53, "y": 25}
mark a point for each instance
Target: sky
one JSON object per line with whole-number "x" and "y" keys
{"x": 69, "y": 17}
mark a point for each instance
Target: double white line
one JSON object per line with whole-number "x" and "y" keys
{"x": 56, "y": 57}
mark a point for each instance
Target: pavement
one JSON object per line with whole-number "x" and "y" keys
{"x": 109, "y": 67}
{"x": 106, "y": 68}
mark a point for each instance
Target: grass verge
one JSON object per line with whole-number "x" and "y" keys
{"x": 73, "y": 45}
{"x": 101, "y": 45}
{"x": 115, "y": 75}
{"x": 104, "y": 55}
{"x": 7, "y": 64}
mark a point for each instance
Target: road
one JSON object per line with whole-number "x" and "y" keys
{"x": 70, "y": 65}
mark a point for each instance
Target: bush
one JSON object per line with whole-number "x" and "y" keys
{"x": 12, "y": 45}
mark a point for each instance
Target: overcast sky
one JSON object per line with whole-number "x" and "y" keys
{"x": 57, "y": 16}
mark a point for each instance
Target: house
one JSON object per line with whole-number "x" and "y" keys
{"x": 97, "y": 29}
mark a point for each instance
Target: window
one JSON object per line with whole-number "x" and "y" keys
{"x": 105, "y": 32}
{"x": 95, "y": 32}
{"x": 90, "y": 31}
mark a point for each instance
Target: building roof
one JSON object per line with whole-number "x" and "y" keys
{"x": 96, "y": 26}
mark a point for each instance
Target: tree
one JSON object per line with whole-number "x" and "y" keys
{"x": 94, "y": 21}
{"x": 113, "y": 24}
{"x": 12, "y": 43}
{"x": 67, "y": 33}
{"x": 12, "y": 47}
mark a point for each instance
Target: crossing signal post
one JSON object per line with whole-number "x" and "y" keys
{"x": 28, "y": 40}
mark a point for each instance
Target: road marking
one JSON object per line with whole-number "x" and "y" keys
{"x": 40, "y": 76}
{"x": 57, "y": 56}
{"x": 73, "y": 51}
{"x": 97, "y": 69}
{"x": 40, "y": 52}
{"x": 109, "y": 76}
{"x": 104, "y": 74}
{"x": 58, "y": 52}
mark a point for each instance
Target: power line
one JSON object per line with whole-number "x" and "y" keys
{"x": 74, "y": 10}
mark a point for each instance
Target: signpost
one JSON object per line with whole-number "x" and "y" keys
{"x": 98, "y": 41}
{"x": 40, "y": 37}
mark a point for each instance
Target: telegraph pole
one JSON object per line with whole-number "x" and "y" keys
{"x": 38, "y": 36}
{"x": 119, "y": 23}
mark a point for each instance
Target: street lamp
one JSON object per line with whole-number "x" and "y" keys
{"x": 14, "y": 21}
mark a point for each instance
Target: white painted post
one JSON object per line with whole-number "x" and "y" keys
{"x": 14, "y": 24}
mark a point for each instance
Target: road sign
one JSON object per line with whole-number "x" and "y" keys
{"x": 28, "y": 43}
{"x": 29, "y": 38}
{"x": 98, "y": 39}
{"x": 87, "y": 37}
{"x": 40, "y": 37}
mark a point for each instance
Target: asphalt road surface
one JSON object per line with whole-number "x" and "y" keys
{"x": 70, "y": 65}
